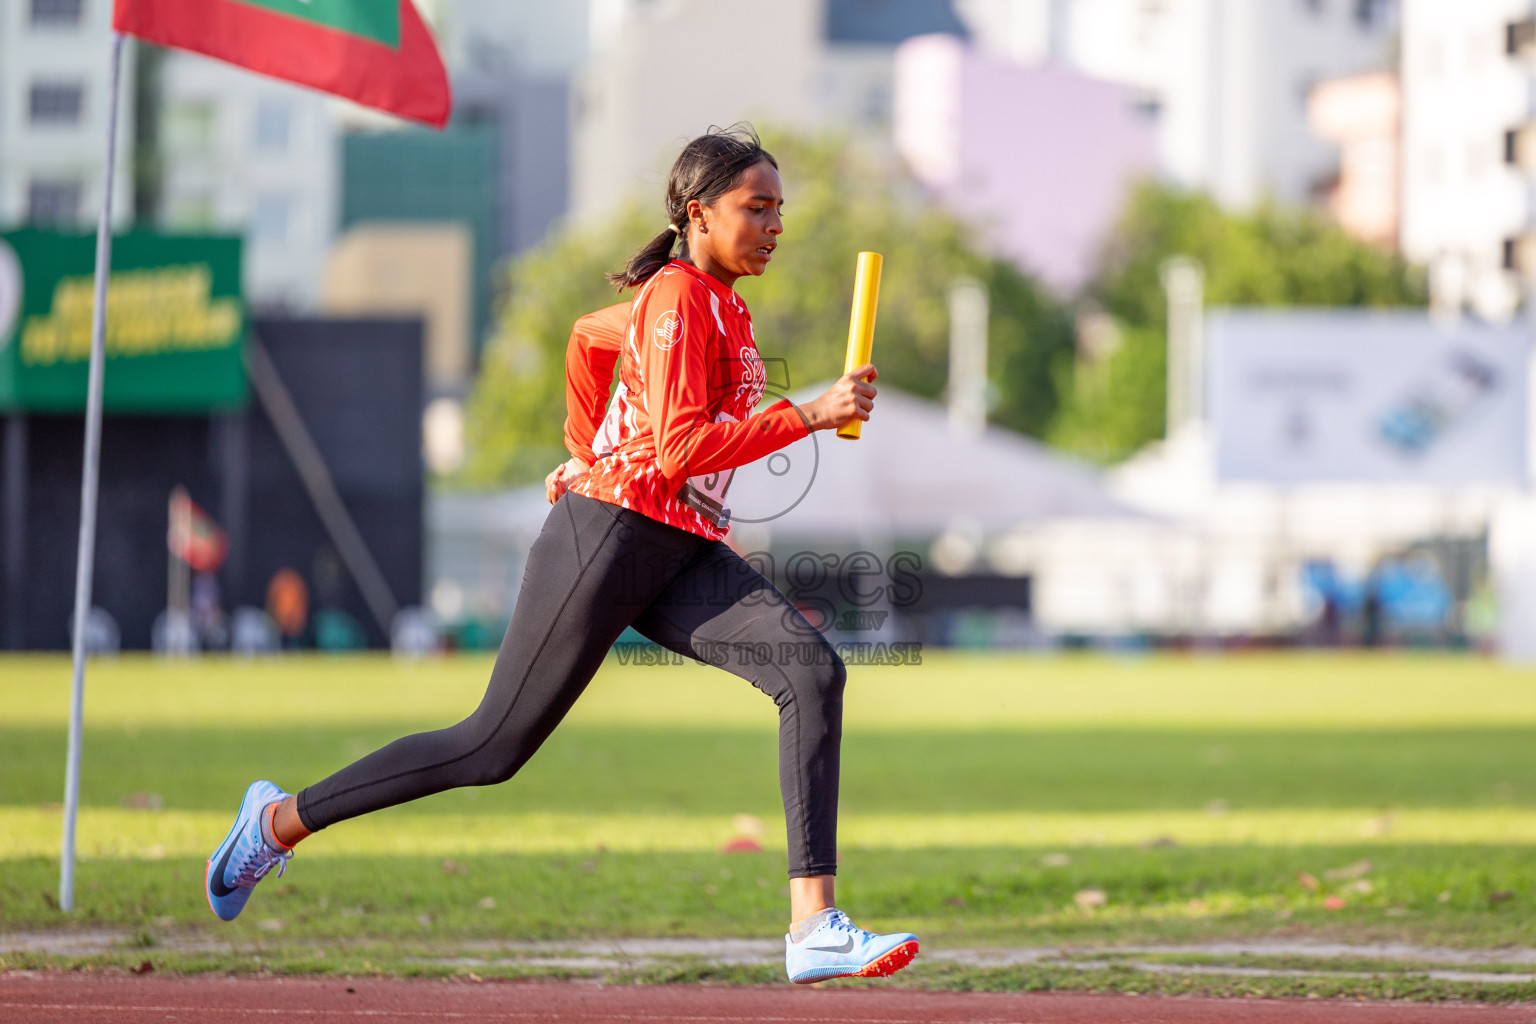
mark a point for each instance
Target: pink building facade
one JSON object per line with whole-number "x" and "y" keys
{"x": 1039, "y": 158}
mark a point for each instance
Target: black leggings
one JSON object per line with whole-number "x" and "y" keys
{"x": 595, "y": 569}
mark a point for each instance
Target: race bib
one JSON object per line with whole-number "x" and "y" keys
{"x": 705, "y": 494}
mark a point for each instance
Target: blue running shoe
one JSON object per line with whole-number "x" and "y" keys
{"x": 243, "y": 858}
{"x": 838, "y": 949}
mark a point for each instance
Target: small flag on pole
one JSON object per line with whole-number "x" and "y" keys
{"x": 375, "y": 52}
{"x": 194, "y": 537}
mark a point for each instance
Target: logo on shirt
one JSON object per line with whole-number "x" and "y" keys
{"x": 668, "y": 330}
{"x": 754, "y": 377}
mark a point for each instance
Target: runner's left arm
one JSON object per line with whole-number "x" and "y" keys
{"x": 589, "y": 360}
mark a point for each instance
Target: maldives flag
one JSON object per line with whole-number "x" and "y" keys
{"x": 375, "y": 52}
{"x": 194, "y": 537}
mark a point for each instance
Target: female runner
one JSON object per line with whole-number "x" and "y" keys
{"x": 636, "y": 539}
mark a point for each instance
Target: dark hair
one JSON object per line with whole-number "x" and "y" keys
{"x": 707, "y": 168}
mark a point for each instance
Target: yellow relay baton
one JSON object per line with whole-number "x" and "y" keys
{"x": 861, "y": 325}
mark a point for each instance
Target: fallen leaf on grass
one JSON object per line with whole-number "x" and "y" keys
{"x": 1159, "y": 843}
{"x": 1333, "y": 903}
{"x": 1055, "y": 860}
{"x": 1378, "y": 826}
{"x": 1089, "y": 899}
{"x": 1308, "y": 881}
{"x": 955, "y": 901}
{"x": 487, "y": 903}
{"x": 144, "y": 802}
{"x": 742, "y": 844}
{"x": 1502, "y": 896}
{"x": 453, "y": 867}
{"x": 1359, "y": 869}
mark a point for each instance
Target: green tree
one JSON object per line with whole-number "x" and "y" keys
{"x": 1274, "y": 256}
{"x": 838, "y": 201}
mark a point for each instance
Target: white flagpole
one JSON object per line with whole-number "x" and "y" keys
{"x": 85, "y": 559}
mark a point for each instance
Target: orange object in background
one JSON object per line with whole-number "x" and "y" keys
{"x": 288, "y": 602}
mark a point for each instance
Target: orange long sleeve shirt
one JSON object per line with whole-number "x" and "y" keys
{"x": 680, "y": 421}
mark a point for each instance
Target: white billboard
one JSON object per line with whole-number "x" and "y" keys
{"x": 1303, "y": 396}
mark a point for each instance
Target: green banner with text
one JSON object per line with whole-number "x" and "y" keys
{"x": 175, "y": 322}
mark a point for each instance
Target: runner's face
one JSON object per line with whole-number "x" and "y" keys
{"x": 742, "y": 227}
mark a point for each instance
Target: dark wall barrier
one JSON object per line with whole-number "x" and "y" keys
{"x": 358, "y": 387}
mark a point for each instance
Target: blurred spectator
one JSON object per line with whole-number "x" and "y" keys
{"x": 413, "y": 634}
{"x": 288, "y": 604}
{"x": 336, "y": 631}
{"x": 252, "y": 632}
{"x": 1371, "y": 613}
{"x": 101, "y": 633}
{"x": 207, "y": 615}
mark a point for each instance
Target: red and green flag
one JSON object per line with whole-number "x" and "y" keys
{"x": 194, "y": 537}
{"x": 375, "y": 52}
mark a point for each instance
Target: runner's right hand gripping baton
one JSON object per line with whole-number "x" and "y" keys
{"x": 861, "y": 326}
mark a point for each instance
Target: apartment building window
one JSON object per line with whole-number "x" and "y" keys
{"x": 274, "y": 126}
{"x": 57, "y": 13}
{"x": 1518, "y": 36}
{"x": 1375, "y": 14}
{"x": 53, "y": 203}
{"x": 190, "y": 127}
{"x": 270, "y": 219}
{"x": 55, "y": 103}
{"x": 190, "y": 211}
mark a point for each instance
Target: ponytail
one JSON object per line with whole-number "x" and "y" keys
{"x": 656, "y": 254}
{"x": 706, "y": 169}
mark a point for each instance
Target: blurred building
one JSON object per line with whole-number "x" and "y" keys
{"x": 512, "y": 63}
{"x": 1002, "y": 144}
{"x": 499, "y": 173}
{"x": 1227, "y": 80}
{"x": 1467, "y": 147}
{"x": 54, "y": 80}
{"x": 659, "y": 74}
{"x": 243, "y": 153}
{"x": 423, "y": 269}
{"x": 533, "y": 38}
{"x": 1362, "y": 114}
{"x": 417, "y": 176}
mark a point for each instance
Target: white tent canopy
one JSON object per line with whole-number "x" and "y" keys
{"x": 910, "y": 476}
{"x": 908, "y": 479}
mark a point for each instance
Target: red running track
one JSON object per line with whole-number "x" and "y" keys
{"x": 27, "y": 998}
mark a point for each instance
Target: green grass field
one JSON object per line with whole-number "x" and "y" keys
{"x": 982, "y": 796}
